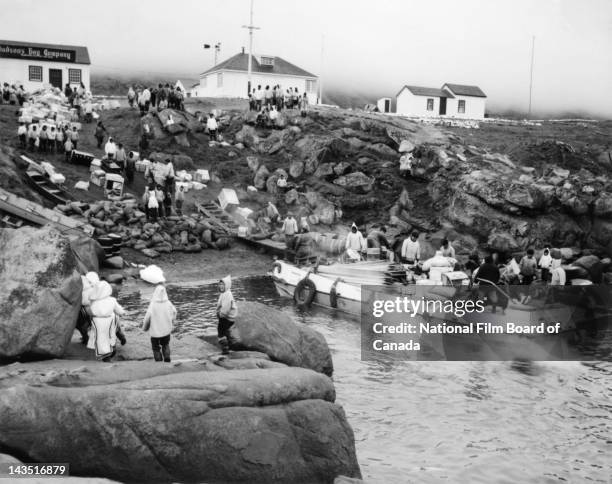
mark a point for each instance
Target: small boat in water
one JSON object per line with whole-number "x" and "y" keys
{"x": 47, "y": 188}
{"x": 339, "y": 286}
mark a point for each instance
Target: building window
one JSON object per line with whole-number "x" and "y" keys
{"x": 461, "y": 107}
{"x": 430, "y": 104}
{"x": 220, "y": 79}
{"x": 74, "y": 76}
{"x": 311, "y": 85}
{"x": 267, "y": 61}
{"x": 35, "y": 73}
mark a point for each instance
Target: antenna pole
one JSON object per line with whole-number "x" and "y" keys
{"x": 250, "y": 27}
{"x": 531, "y": 72}
{"x": 321, "y": 71}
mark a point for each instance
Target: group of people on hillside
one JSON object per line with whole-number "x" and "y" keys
{"x": 81, "y": 100}
{"x": 13, "y": 94}
{"x": 157, "y": 197}
{"x": 274, "y": 96}
{"x": 100, "y": 327}
{"x": 48, "y": 139}
{"x": 161, "y": 97}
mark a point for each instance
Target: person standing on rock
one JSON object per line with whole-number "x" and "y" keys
{"x": 528, "y": 266}
{"x": 411, "y": 249}
{"x": 110, "y": 148}
{"x": 131, "y": 96}
{"x": 211, "y": 126}
{"x": 130, "y": 167}
{"x": 160, "y": 197}
{"x": 558, "y": 276}
{"x": 289, "y": 229}
{"x": 179, "y": 199}
{"x": 74, "y": 136}
{"x": 226, "y": 312}
{"x": 304, "y": 105}
{"x": 90, "y": 281}
{"x": 120, "y": 156}
{"x": 487, "y": 277}
{"x": 259, "y": 96}
{"x": 158, "y": 320}
{"x": 33, "y": 137}
{"x": 22, "y": 134}
{"x": 59, "y": 140}
{"x": 377, "y": 237}
{"x": 105, "y": 311}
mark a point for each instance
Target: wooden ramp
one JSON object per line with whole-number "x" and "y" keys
{"x": 218, "y": 218}
{"x": 15, "y": 209}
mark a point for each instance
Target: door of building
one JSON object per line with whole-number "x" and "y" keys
{"x": 387, "y": 105}
{"x": 442, "y": 105}
{"x": 55, "y": 77}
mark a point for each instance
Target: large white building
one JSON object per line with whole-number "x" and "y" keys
{"x": 452, "y": 100}
{"x": 34, "y": 65}
{"x": 230, "y": 77}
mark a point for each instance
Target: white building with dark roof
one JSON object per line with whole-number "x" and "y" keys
{"x": 34, "y": 65}
{"x": 230, "y": 77}
{"x": 452, "y": 100}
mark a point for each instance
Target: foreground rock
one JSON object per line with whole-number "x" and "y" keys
{"x": 261, "y": 328}
{"x": 41, "y": 292}
{"x": 190, "y": 425}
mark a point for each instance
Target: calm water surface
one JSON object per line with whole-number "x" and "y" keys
{"x": 451, "y": 422}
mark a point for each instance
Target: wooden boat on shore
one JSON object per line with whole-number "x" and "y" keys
{"x": 47, "y": 188}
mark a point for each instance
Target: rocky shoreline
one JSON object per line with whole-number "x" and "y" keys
{"x": 265, "y": 414}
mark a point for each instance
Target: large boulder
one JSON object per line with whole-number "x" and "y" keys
{"x": 296, "y": 169}
{"x": 192, "y": 423}
{"x": 260, "y": 177}
{"x": 261, "y": 328}
{"x": 592, "y": 265}
{"x": 356, "y": 181}
{"x": 89, "y": 253}
{"x": 247, "y": 136}
{"x": 41, "y": 292}
{"x": 253, "y": 163}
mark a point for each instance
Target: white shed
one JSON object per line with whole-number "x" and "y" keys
{"x": 384, "y": 105}
{"x": 452, "y": 101}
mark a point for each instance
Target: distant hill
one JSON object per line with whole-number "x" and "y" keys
{"x": 118, "y": 86}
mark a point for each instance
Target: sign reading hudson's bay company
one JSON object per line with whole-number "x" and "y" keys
{"x": 38, "y": 53}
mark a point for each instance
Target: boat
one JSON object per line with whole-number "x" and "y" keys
{"x": 46, "y": 187}
{"x": 339, "y": 286}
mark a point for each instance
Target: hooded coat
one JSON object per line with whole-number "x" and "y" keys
{"x": 90, "y": 281}
{"x": 355, "y": 240}
{"x": 160, "y": 315}
{"x": 104, "y": 311}
{"x": 226, "y": 306}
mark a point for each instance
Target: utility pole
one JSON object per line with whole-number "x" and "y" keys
{"x": 250, "y": 27}
{"x": 321, "y": 71}
{"x": 531, "y": 73}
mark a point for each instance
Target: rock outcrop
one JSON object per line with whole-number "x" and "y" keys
{"x": 41, "y": 292}
{"x": 188, "y": 424}
{"x": 261, "y": 328}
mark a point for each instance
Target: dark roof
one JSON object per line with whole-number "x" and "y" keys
{"x": 463, "y": 90}
{"x": 426, "y": 91}
{"x": 240, "y": 62}
{"x": 81, "y": 53}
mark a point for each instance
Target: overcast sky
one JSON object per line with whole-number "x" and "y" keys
{"x": 368, "y": 45}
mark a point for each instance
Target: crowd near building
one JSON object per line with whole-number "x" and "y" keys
{"x": 32, "y": 65}
{"x": 230, "y": 78}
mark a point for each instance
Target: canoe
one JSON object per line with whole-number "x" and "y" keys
{"x": 47, "y": 188}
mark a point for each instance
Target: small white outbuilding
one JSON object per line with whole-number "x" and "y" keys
{"x": 452, "y": 101}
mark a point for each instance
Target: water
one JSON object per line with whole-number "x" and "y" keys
{"x": 451, "y": 422}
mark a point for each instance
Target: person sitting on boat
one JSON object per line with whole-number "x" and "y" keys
{"x": 355, "y": 242}
{"x": 377, "y": 237}
{"x": 558, "y": 277}
{"x": 411, "y": 249}
{"x": 487, "y": 277}
{"x": 447, "y": 249}
{"x": 105, "y": 311}
{"x": 226, "y": 312}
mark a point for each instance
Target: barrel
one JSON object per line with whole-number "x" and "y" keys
{"x": 107, "y": 244}
{"x": 117, "y": 242}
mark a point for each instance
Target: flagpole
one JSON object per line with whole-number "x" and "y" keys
{"x": 250, "y": 27}
{"x": 531, "y": 73}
